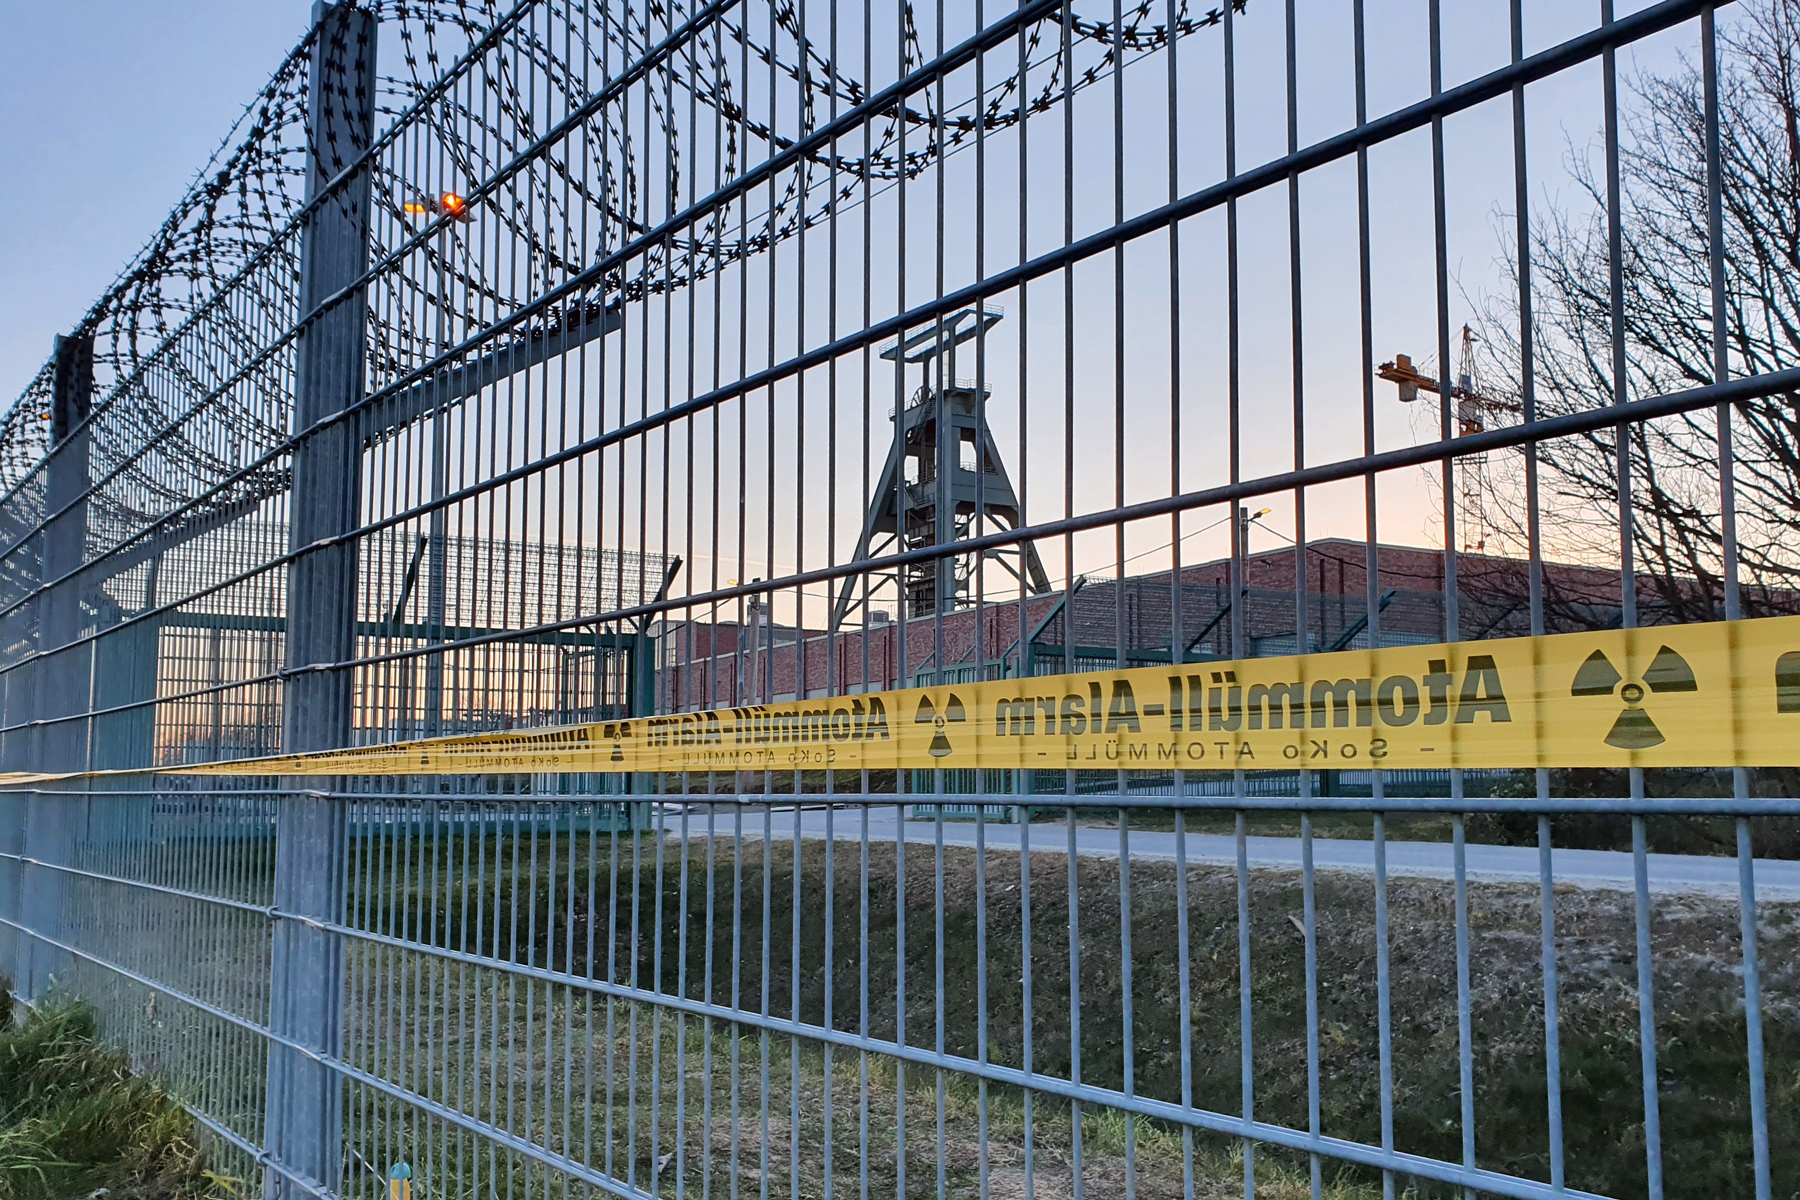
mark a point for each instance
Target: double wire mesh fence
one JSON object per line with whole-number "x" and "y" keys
{"x": 532, "y": 365}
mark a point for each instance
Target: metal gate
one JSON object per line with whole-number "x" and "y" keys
{"x": 525, "y": 365}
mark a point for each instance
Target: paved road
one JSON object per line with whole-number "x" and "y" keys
{"x": 1604, "y": 869}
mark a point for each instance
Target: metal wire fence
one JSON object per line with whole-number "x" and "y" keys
{"x": 527, "y": 365}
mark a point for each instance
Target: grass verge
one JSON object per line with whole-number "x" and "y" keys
{"x": 74, "y": 1120}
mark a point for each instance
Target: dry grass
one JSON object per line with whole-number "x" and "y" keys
{"x": 677, "y": 1129}
{"x": 75, "y": 1122}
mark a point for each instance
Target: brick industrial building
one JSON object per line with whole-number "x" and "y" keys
{"x": 1143, "y": 620}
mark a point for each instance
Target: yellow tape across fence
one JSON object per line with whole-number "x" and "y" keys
{"x": 1715, "y": 694}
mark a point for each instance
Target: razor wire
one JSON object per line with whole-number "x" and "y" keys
{"x": 230, "y": 222}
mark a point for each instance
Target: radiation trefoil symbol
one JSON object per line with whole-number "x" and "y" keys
{"x": 929, "y": 715}
{"x": 1634, "y": 730}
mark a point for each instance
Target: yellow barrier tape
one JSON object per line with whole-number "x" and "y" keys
{"x": 1716, "y": 694}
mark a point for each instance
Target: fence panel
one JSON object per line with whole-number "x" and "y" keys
{"x": 559, "y": 366}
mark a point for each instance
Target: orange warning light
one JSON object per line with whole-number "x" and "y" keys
{"x": 450, "y": 204}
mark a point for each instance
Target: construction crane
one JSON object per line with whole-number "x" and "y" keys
{"x": 1474, "y": 410}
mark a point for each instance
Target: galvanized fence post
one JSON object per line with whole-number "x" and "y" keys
{"x": 13, "y": 943}
{"x": 305, "y": 1097}
{"x": 63, "y": 673}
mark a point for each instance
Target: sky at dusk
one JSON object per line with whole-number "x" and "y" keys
{"x": 107, "y": 108}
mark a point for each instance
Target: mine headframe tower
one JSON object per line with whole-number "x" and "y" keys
{"x": 944, "y": 480}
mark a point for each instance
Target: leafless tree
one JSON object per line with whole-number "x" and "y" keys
{"x": 1674, "y": 463}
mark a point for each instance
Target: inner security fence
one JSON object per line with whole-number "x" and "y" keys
{"x": 567, "y": 366}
